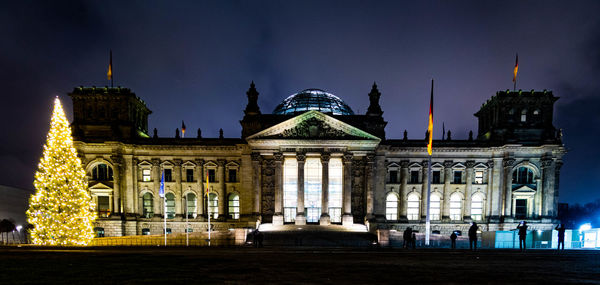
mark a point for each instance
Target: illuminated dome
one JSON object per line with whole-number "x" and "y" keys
{"x": 313, "y": 99}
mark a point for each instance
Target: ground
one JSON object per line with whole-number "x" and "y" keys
{"x": 293, "y": 265}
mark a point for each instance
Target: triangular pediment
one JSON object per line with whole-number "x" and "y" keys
{"x": 524, "y": 189}
{"x": 313, "y": 125}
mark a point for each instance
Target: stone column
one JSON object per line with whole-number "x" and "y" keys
{"x": 445, "y": 204}
{"x": 468, "y": 190}
{"x": 553, "y": 209}
{"x": 424, "y": 194}
{"x": 128, "y": 175}
{"x": 508, "y": 165}
{"x": 403, "y": 188}
{"x": 201, "y": 188}
{"x": 158, "y": 206}
{"x": 546, "y": 173}
{"x": 489, "y": 189}
{"x": 222, "y": 190}
{"x": 117, "y": 163}
{"x": 347, "y": 218}
{"x": 135, "y": 191}
{"x": 278, "y": 215}
{"x": 325, "y": 220}
{"x": 300, "y": 215}
{"x": 178, "y": 189}
{"x": 369, "y": 177}
{"x": 256, "y": 183}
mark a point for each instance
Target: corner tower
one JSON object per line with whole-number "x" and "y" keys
{"x": 102, "y": 114}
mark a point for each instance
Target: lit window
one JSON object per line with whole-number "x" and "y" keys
{"x": 102, "y": 172}
{"x": 434, "y": 207}
{"x": 290, "y": 189}
{"x": 455, "y": 207}
{"x": 536, "y": 112}
{"x": 232, "y": 175}
{"x": 99, "y": 231}
{"x": 412, "y": 209}
{"x": 312, "y": 189}
{"x": 213, "y": 205}
{"x": 148, "y": 204}
{"x": 524, "y": 115}
{"x": 391, "y": 207}
{"x": 145, "y": 232}
{"x": 414, "y": 176}
{"x": 393, "y": 176}
{"x": 103, "y": 206}
{"x": 478, "y": 176}
{"x": 170, "y": 197}
{"x": 457, "y": 177}
{"x": 191, "y": 205}
{"x": 168, "y": 175}
{"x": 335, "y": 190}
{"x": 189, "y": 175}
{"x": 234, "y": 206}
{"x": 522, "y": 175}
{"x": 477, "y": 208}
{"x": 146, "y": 175}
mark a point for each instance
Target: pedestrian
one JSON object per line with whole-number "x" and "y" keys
{"x": 255, "y": 238}
{"x": 413, "y": 241}
{"x": 407, "y": 237}
{"x": 561, "y": 236}
{"x": 260, "y": 239}
{"x": 453, "y": 240}
{"x": 522, "y": 227}
{"x": 473, "y": 236}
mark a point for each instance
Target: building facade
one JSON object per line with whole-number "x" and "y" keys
{"x": 314, "y": 161}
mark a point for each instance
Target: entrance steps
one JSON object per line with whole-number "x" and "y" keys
{"x": 316, "y": 236}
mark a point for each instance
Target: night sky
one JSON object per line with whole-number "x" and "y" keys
{"x": 194, "y": 61}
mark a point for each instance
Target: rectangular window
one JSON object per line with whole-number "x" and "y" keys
{"x": 146, "y": 175}
{"x": 521, "y": 208}
{"x": 479, "y": 177}
{"x": 393, "y": 176}
{"x": 290, "y": 189}
{"x": 435, "y": 178}
{"x": 414, "y": 176}
{"x": 189, "y": 175}
{"x": 168, "y": 175}
{"x": 211, "y": 175}
{"x": 335, "y": 190}
{"x": 103, "y": 206}
{"x": 232, "y": 175}
{"x": 457, "y": 177}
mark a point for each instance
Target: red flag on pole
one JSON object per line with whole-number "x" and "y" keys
{"x": 430, "y": 126}
{"x": 516, "y": 69}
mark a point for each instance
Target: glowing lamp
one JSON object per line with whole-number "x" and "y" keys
{"x": 585, "y": 227}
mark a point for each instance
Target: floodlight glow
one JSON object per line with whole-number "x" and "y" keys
{"x": 19, "y": 227}
{"x": 585, "y": 227}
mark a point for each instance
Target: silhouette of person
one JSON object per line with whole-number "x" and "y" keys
{"x": 260, "y": 238}
{"x": 522, "y": 227}
{"x": 255, "y": 238}
{"x": 473, "y": 236}
{"x": 561, "y": 236}
{"x": 413, "y": 241}
{"x": 407, "y": 237}
{"x": 453, "y": 240}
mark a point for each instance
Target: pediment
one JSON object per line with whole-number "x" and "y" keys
{"x": 100, "y": 186}
{"x": 313, "y": 125}
{"x": 524, "y": 189}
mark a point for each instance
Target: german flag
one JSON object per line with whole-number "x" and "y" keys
{"x": 516, "y": 69}
{"x": 182, "y": 129}
{"x": 430, "y": 126}
{"x": 109, "y": 73}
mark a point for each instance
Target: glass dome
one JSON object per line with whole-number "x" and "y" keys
{"x": 313, "y": 99}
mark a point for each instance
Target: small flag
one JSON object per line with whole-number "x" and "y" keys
{"x": 430, "y": 126}
{"x": 161, "y": 191}
{"x": 109, "y": 73}
{"x": 516, "y": 69}
{"x": 182, "y": 129}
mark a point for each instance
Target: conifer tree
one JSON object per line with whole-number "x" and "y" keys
{"x": 61, "y": 210}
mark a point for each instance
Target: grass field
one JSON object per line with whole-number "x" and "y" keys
{"x": 289, "y": 265}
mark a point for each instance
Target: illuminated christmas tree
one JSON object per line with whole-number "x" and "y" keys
{"x": 61, "y": 210}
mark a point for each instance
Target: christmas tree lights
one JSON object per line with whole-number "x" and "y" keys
{"x": 61, "y": 210}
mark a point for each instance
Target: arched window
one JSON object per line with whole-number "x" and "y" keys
{"x": 477, "y": 207}
{"x": 234, "y": 206}
{"x": 524, "y": 115}
{"x": 148, "y": 204}
{"x": 455, "y": 207}
{"x": 391, "y": 207}
{"x": 412, "y": 209}
{"x": 213, "y": 205}
{"x": 170, "y": 197}
{"x": 434, "y": 207}
{"x": 102, "y": 172}
{"x": 523, "y": 175}
{"x": 536, "y": 112}
{"x": 191, "y": 205}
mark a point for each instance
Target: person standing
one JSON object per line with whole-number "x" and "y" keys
{"x": 473, "y": 236}
{"x": 561, "y": 236}
{"x": 413, "y": 241}
{"x": 407, "y": 237}
{"x": 522, "y": 227}
{"x": 453, "y": 240}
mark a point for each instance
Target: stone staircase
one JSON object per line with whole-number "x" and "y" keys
{"x": 317, "y": 236}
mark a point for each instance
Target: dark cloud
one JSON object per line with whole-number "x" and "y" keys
{"x": 193, "y": 61}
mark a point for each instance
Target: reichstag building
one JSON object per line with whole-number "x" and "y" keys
{"x": 313, "y": 160}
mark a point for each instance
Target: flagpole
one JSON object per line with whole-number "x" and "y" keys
{"x": 208, "y": 205}
{"x": 427, "y": 217}
{"x": 165, "y": 217}
{"x": 187, "y": 238}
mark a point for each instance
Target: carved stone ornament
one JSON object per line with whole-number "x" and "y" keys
{"x": 546, "y": 163}
{"x": 278, "y": 156}
{"x": 325, "y": 158}
{"x": 301, "y": 157}
{"x": 404, "y": 163}
{"x": 470, "y": 163}
{"x": 347, "y": 158}
{"x": 255, "y": 156}
{"x": 490, "y": 164}
{"x": 370, "y": 158}
{"x": 313, "y": 128}
{"x": 509, "y": 162}
{"x": 448, "y": 163}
